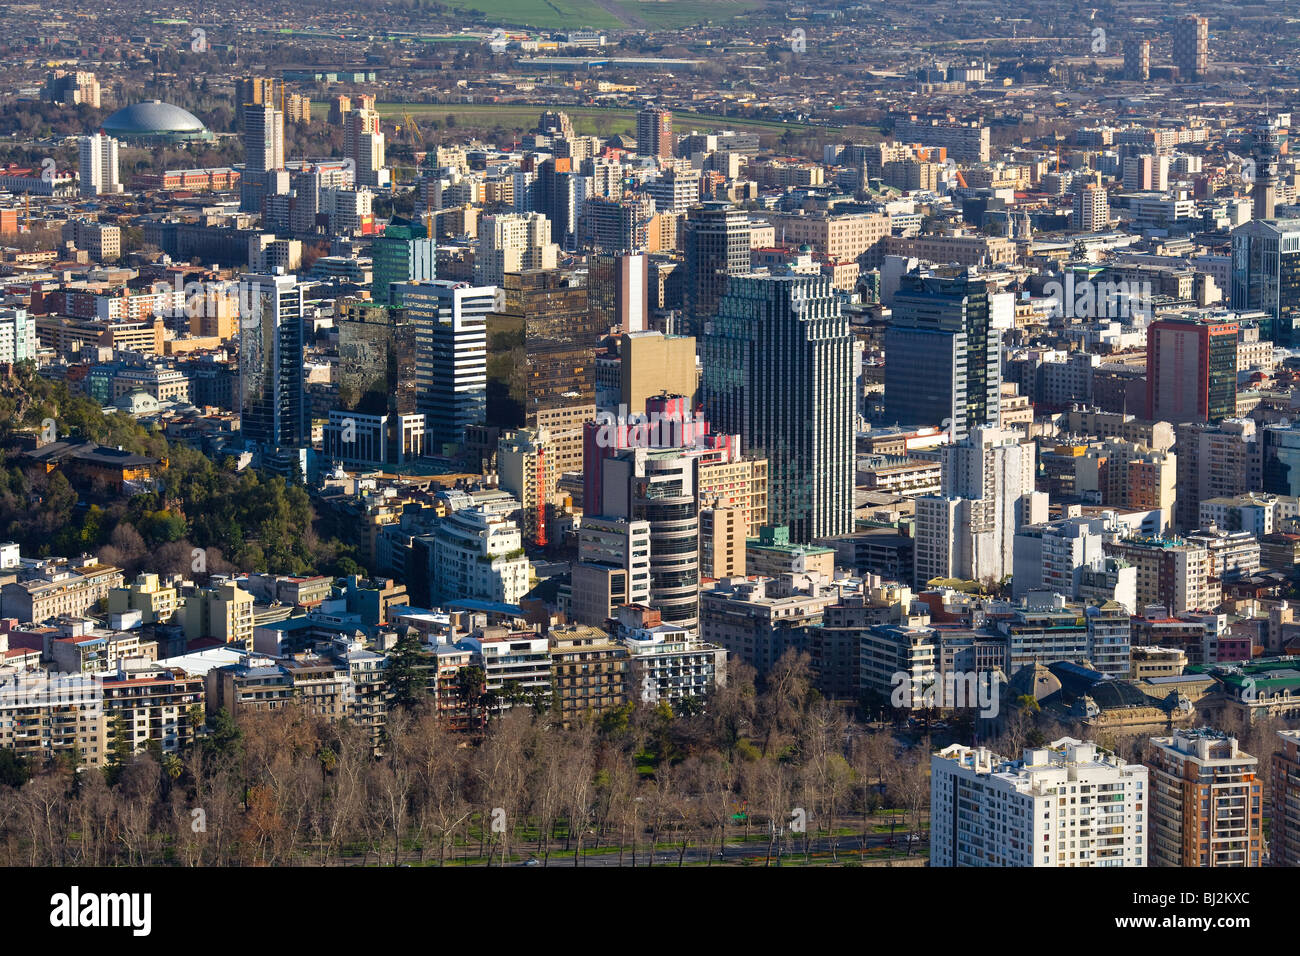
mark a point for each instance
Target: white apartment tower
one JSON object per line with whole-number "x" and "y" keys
{"x": 98, "y": 166}
{"x": 363, "y": 143}
{"x": 478, "y": 554}
{"x": 1070, "y": 804}
{"x": 968, "y": 531}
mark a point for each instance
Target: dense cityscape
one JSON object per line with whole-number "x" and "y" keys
{"x": 639, "y": 433}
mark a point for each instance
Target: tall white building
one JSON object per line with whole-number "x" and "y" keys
{"x": 98, "y": 167}
{"x": 363, "y": 143}
{"x": 1068, "y": 804}
{"x": 968, "y": 531}
{"x": 513, "y": 242}
{"x": 17, "y": 336}
{"x": 478, "y": 554}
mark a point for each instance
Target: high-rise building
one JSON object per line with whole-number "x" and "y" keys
{"x": 273, "y": 411}
{"x": 363, "y": 143}
{"x": 405, "y": 253}
{"x": 525, "y": 466}
{"x": 620, "y": 225}
{"x": 376, "y": 370}
{"x": 613, "y": 568}
{"x": 722, "y": 541}
{"x": 1279, "y": 454}
{"x": 98, "y": 166}
{"x": 1171, "y": 572}
{"x": 657, "y": 485}
{"x": 942, "y": 355}
{"x": 964, "y": 141}
{"x": 260, "y": 90}
{"x": 1266, "y": 275}
{"x": 716, "y": 244}
{"x": 1284, "y": 819}
{"x": 778, "y": 371}
{"x": 1192, "y": 48}
{"x": 263, "y": 136}
{"x": 1206, "y": 801}
{"x": 618, "y": 290}
{"x": 1192, "y": 369}
{"x": 73, "y": 88}
{"x": 17, "y": 336}
{"x": 542, "y": 342}
{"x": 651, "y": 363}
{"x": 477, "y": 554}
{"x": 450, "y": 321}
{"x": 1068, "y": 804}
{"x": 969, "y": 530}
{"x": 513, "y": 242}
{"x": 654, "y": 132}
{"x": 1214, "y": 461}
{"x": 1091, "y": 212}
{"x": 1137, "y": 59}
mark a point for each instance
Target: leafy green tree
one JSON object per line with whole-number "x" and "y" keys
{"x": 406, "y": 673}
{"x": 15, "y": 770}
{"x": 225, "y": 740}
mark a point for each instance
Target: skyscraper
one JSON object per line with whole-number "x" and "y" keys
{"x": 646, "y": 473}
{"x": 618, "y": 290}
{"x": 1205, "y": 801}
{"x": 716, "y": 244}
{"x": 404, "y": 253}
{"x": 969, "y": 530}
{"x": 1192, "y": 369}
{"x": 942, "y": 357}
{"x": 1137, "y": 59}
{"x": 542, "y": 342}
{"x": 263, "y": 136}
{"x": 450, "y": 321}
{"x": 1266, "y": 275}
{"x": 654, "y": 132}
{"x": 273, "y": 411}
{"x": 1091, "y": 212}
{"x": 1192, "y": 47}
{"x": 778, "y": 371}
{"x": 512, "y": 242}
{"x": 363, "y": 143}
{"x": 98, "y": 167}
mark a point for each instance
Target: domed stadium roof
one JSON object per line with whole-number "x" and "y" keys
{"x": 155, "y": 120}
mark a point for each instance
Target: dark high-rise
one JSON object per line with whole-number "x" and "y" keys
{"x": 716, "y": 243}
{"x": 778, "y": 371}
{"x": 272, "y": 410}
{"x": 942, "y": 355}
{"x": 654, "y": 132}
{"x": 541, "y": 346}
{"x": 1266, "y": 275}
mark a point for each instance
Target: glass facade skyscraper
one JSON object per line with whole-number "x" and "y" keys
{"x": 778, "y": 371}
{"x": 942, "y": 356}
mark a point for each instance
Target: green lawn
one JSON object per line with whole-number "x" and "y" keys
{"x": 587, "y": 120}
{"x": 546, "y": 14}
{"x": 590, "y": 15}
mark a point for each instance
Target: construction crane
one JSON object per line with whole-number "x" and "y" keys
{"x": 410, "y": 122}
